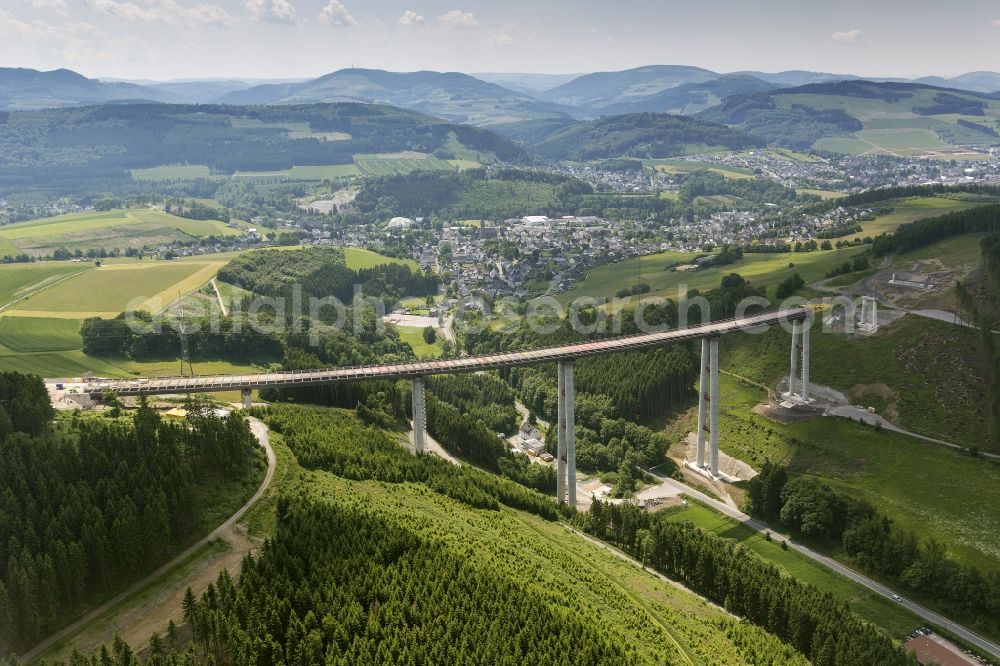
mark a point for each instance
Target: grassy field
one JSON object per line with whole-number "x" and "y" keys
{"x": 111, "y": 289}
{"x": 401, "y": 163}
{"x": 924, "y": 488}
{"x": 358, "y": 258}
{"x": 873, "y": 607}
{"x": 760, "y": 269}
{"x": 172, "y": 172}
{"x": 822, "y": 194}
{"x": 414, "y": 336}
{"x": 18, "y": 280}
{"x": 689, "y": 166}
{"x": 38, "y": 334}
{"x": 111, "y": 229}
{"x": 908, "y": 210}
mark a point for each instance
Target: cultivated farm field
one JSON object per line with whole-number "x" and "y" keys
{"x": 108, "y": 290}
{"x": 19, "y": 280}
{"x": 402, "y": 163}
{"x": 111, "y": 229}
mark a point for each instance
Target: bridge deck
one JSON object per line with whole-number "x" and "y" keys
{"x": 212, "y": 383}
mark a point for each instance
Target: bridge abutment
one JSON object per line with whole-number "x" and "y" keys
{"x": 247, "y": 395}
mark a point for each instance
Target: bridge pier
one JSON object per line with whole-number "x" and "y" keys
{"x": 796, "y": 326}
{"x": 703, "y": 403}
{"x": 560, "y": 434}
{"x": 566, "y": 458}
{"x": 708, "y": 406}
{"x": 805, "y": 360}
{"x": 714, "y": 398}
{"x": 419, "y": 413}
{"x": 800, "y": 347}
{"x": 247, "y": 395}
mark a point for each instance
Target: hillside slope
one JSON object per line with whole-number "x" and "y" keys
{"x": 457, "y": 97}
{"x": 692, "y": 97}
{"x": 602, "y": 89}
{"x": 864, "y": 116}
{"x": 639, "y": 135}
{"x": 103, "y": 143}
{"x": 32, "y": 89}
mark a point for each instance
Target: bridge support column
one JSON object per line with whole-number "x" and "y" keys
{"x": 247, "y": 395}
{"x": 792, "y": 375}
{"x": 805, "y": 360}
{"x": 703, "y": 403}
{"x": 714, "y": 398}
{"x": 566, "y": 458}
{"x": 561, "y": 434}
{"x": 570, "y": 433}
{"x": 419, "y": 413}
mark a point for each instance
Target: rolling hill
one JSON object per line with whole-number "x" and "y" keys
{"x": 864, "y": 116}
{"x": 691, "y": 98}
{"x": 32, "y": 89}
{"x": 63, "y": 147}
{"x": 638, "y": 135}
{"x": 595, "y": 91}
{"x": 454, "y": 96}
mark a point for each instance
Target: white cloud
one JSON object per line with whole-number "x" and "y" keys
{"x": 336, "y": 14}
{"x": 48, "y": 35}
{"x": 501, "y": 38}
{"x": 411, "y": 18}
{"x": 272, "y": 11}
{"x": 58, "y": 6}
{"x": 995, "y": 23}
{"x": 163, "y": 11}
{"x": 459, "y": 19}
{"x": 847, "y": 37}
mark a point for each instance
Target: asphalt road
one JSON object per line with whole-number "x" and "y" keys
{"x": 925, "y": 613}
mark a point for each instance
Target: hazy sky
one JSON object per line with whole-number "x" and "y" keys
{"x": 166, "y": 39}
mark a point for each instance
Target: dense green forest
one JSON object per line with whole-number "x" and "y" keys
{"x": 339, "y": 585}
{"x": 89, "y": 504}
{"x": 813, "y": 509}
{"x": 90, "y": 145}
{"x": 727, "y": 573}
{"x": 644, "y": 135}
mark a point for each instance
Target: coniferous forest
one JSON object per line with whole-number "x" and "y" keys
{"x": 89, "y": 504}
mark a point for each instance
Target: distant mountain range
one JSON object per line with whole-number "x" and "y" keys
{"x": 31, "y": 89}
{"x": 794, "y": 108}
{"x": 866, "y": 116}
{"x": 484, "y": 99}
{"x": 452, "y": 95}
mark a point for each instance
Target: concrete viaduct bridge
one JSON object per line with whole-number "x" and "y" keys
{"x": 564, "y": 356}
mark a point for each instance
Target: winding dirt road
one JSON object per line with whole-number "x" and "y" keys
{"x": 137, "y": 622}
